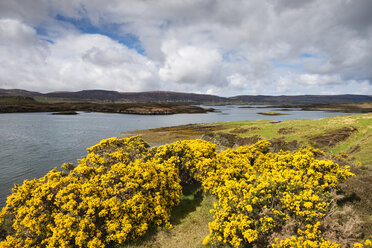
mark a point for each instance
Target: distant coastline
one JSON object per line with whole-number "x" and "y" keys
{"x": 183, "y": 97}
{"x": 167, "y": 102}
{"x": 17, "y": 104}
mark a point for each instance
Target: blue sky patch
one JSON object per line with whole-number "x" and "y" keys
{"x": 47, "y": 40}
{"x": 232, "y": 56}
{"x": 41, "y": 31}
{"x": 297, "y": 67}
{"x": 110, "y": 30}
{"x": 42, "y": 34}
{"x": 307, "y": 55}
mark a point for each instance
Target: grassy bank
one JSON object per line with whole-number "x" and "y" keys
{"x": 363, "y": 107}
{"x": 350, "y": 134}
{"x": 343, "y": 134}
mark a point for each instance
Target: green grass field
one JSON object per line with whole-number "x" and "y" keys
{"x": 343, "y": 134}
{"x": 350, "y": 134}
{"x": 16, "y": 100}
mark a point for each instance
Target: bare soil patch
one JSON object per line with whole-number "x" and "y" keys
{"x": 244, "y": 130}
{"x": 356, "y": 192}
{"x": 331, "y": 137}
{"x": 286, "y": 130}
{"x": 165, "y": 135}
{"x": 354, "y": 149}
{"x": 230, "y": 140}
{"x": 280, "y": 144}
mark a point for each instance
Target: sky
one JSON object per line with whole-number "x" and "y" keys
{"x": 226, "y": 48}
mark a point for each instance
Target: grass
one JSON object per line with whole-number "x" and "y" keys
{"x": 44, "y": 99}
{"x": 302, "y": 130}
{"x": 365, "y": 107}
{"x": 16, "y": 100}
{"x": 305, "y": 131}
{"x": 189, "y": 219}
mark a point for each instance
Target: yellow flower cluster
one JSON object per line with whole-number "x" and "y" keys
{"x": 367, "y": 243}
{"x": 186, "y": 155}
{"x": 114, "y": 194}
{"x": 311, "y": 237}
{"x": 259, "y": 192}
{"x": 123, "y": 187}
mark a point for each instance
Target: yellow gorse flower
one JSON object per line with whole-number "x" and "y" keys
{"x": 123, "y": 187}
{"x": 113, "y": 195}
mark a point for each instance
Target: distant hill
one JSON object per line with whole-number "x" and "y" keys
{"x": 301, "y": 99}
{"x": 6, "y": 99}
{"x": 18, "y": 92}
{"x": 101, "y": 95}
{"x": 189, "y": 98}
{"x": 149, "y": 96}
{"x": 170, "y": 96}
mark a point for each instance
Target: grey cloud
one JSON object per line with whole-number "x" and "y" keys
{"x": 266, "y": 39}
{"x": 32, "y": 12}
{"x": 355, "y": 15}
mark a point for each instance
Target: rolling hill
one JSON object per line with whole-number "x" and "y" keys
{"x": 189, "y": 98}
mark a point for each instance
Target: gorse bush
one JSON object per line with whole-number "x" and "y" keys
{"x": 112, "y": 196}
{"x": 123, "y": 187}
{"x": 260, "y": 192}
{"x": 185, "y": 155}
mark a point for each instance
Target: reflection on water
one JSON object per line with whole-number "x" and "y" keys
{"x": 31, "y": 144}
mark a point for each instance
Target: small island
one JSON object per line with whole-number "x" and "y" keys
{"x": 270, "y": 113}
{"x": 65, "y": 113}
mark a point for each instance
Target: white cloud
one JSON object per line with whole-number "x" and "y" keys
{"x": 74, "y": 62}
{"x": 189, "y": 64}
{"x": 229, "y": 47}
{"x": 316, "y": 79}
{"x": 237, "y": 81}
{"x": 15, "y": 33}
{"x": 294, "y": 84}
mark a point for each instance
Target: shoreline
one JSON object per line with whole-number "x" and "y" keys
{"x": 365, "y": 107}
{"x": 118, "y": 108}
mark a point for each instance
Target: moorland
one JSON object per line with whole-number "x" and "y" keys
{"x": 346, "y": 140}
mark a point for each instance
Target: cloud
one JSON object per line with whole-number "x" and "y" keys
{"x": 237, "y": 81}
{"x": 96, "y": 61}
{"x": 316, "y": 79}
{"x": 229, "y": 48}
{"x": 189, "y": 64}
{"x": 74, "y": 62}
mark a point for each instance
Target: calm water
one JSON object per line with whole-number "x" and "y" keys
{"x": 31, "y": 144}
